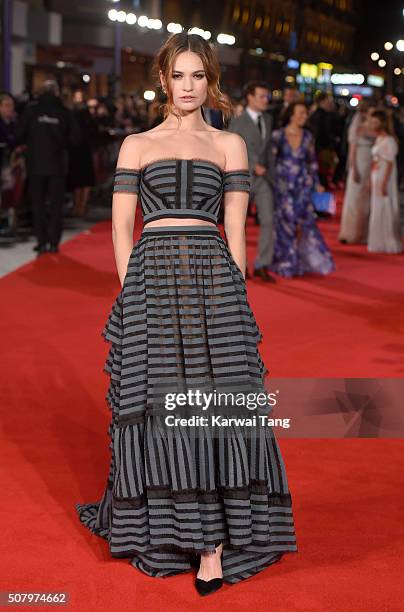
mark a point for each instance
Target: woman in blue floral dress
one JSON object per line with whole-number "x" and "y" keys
{"x": 299, "y": 246}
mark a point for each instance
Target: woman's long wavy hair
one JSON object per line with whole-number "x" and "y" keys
{"x": 164, "y": 61}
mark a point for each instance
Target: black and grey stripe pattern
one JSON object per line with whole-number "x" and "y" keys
{"x": 183, "y": 314}
{"x": 181, "y": 188}
{"x": 237, "y": 180}
{"x": 126, "y": 180}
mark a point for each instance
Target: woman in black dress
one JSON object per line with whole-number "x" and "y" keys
{"x": 81, "y": 177}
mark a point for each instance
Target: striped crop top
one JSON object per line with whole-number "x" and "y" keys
{"x": 180, "y": 188}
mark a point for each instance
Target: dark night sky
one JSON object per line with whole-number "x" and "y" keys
{"x": 378, "y": 22}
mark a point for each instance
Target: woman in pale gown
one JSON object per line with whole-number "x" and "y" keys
{"x": 384, "y": 223}
{"x": 356, "y": 206}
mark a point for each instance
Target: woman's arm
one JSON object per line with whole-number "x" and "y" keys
{"x": 124, "y": 203}
{"x": 312, "y": 163}
{"x": 353, "y": 163}
{"x": 388, "y": 152}
{"x": 236, "y": 195}
{"x": 387, "y": 173}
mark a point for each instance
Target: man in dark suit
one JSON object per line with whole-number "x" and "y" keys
{"x": 254, "y": 125}
{"x": 48, "y": 129}
{"x": 323, "y": 125}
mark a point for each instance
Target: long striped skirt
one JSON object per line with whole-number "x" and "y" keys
{"x": 183, "y": 318}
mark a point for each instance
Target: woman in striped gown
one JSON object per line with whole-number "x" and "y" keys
{"x": 181, "y": 493}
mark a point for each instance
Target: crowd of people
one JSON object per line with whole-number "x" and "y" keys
{"x": 56, "y": 144}
{"x": 64, "y": 143}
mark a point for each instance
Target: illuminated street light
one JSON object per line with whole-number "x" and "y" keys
{"x": 388, "y": 46}
{"x": 225, "y": 39}
{"x": 400, "y": 45}
{"x": 174, "y": 27}
{"x": 204, "y": 33}
{"x": 130, "y": 18}
{"x": 154, "y": 24}
{"x": 397, "y": 71}
{"x": 374, "y": 56}
{"x": 143, "y": 21}
{"x": 382, "y": 63}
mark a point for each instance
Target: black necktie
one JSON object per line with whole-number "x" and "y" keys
{"x": 260, "y": 125}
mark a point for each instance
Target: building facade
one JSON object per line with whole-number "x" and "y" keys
{"x": 273, "y": 38}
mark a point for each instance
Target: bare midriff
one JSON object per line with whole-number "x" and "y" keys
{"x": 173, "y": 221}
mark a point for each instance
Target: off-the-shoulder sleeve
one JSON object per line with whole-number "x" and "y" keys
{"x": 237, "y": 180}
{"x": 126, "y": 180}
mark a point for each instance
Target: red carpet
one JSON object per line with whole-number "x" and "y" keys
{"x": 347, "y": 324}
{"x": 349, "y": 518}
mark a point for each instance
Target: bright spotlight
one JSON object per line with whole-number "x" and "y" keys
{"x": 143, "y": 21}
{"x": 130, "y": 18}
{"x": 374, "y": 56}
{"x": 400, "y": 45}
{"x": 154, "y": 24}
{"x": 174, "y": 28}
{"x": 203, "y": 33}
{"x": 225, "y": 39}
{"x": 388, "y": 45}
{"x": 382, "y": 63}
{"x": 113, "y": 15}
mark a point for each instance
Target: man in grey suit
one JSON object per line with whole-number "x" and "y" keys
{"x": 254, "y": 125}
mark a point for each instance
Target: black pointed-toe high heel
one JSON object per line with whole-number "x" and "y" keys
{"x": 207, "y": 587}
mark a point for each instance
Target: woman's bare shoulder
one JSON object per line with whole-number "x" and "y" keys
{"x": 129, "y": 153}
{"x": 231, "y": 139}
{"x": 234, "y": 149}
{"x": 132, "y": 141}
